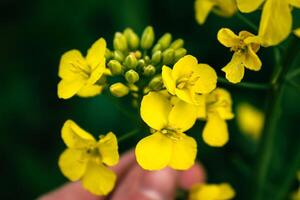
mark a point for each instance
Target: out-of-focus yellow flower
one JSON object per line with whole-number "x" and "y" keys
{"x": 222, "y": 191}
{"x": 250, "y": 120}
{"x": 217, "y": 109}
{"x": 297, "y": 32}
{"x": 245, "y": 45}
{"x": 224, "y": 8}
{"x": 168, "y": 145}
{"x": 79, "y": 75}
{"x": 85, "y": 158}
{"x": 276, "y": 19}
{"x": 188, "y": 79}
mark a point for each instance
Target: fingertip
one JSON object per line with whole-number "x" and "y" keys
{"x": 196, "y": 174}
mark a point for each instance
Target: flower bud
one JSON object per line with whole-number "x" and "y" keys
{"x": 149, "y": 70}
{"x": 115, "y": 67}
{"x": 156, "y": 57}
{"x": 156, "y": 83}
{"x": 131, "y": 62}
{"x": 147, "y": 38}
{"x": 132, "y": 76}
{"x": 156, "y": 47}
{"x": 138, "y": 54}
{"x": 141, "y": 64}
{"x": 119, "y": 89}
{"x": 108, "y": 54}
{"x": 120, "y": 42}
{"x": 177, "y": 44}
{"x": 132, "y": 38}
{"x": 165, "y": 40}
{"x": 168, "y": 56}
{"x": 119, "y": 56}
{"x": 179, "y": 53}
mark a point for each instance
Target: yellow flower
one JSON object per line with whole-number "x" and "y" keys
{"x": 222, "y": 191}
{"x": 276, "y": 19}
{"x": 188, "y": 79}
{"x": 245, "y": 45}
{"x": 224, "y": 8}
{"x": 297, "y": 32}
{"x": 79, "y": 75}
{"x": 250, "y": 120}
{"x": 85, "y": 158}
{"x": 216, "y": 110}
{"x": 168, "y": 145}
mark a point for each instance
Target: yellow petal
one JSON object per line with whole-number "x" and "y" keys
{"x": 202, "y": 9}
{"x": 76, "y": 137}
{"x": 72, "y": 64}
{"x": 184, "y": 153}
{"x": 182, "y": 116}
{"x": 297, "y": 32}
{"x": 96, "y": 73}
{"x": 154, "y": 152}
{"x": 98, "y": 179}
{"x": 227, "y": 37}
{"x": 234, "y": 69}
{"x": 68, "y": 88}
{"x": 90, "y": 90}
{"x": 183, "y": 66}
{"x": 186, "y": 95}
{"x": 108, "y": 148}
{"x": 72, "y": 163}
{"x": 205, "y": 191}
{"x": 215, "y": 132}
{"x": 276, "y": 22}
{"x": 247, "y": 6}
{"x": 225, "y": 8}
{"x": 295, "y": 3}
{"x": 226, "y": 191}
{"x": 155, "y": 109}
{"x": 168, "y": 79}
{"x": 95, "y": 54}
{"x": 251, "y": 60}
{"x": 207, "y": 78}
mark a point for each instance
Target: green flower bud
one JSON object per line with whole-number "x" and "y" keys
{"x": 156, "y": 47}
{"x": 165, "y": 40}
{"x": 132, "y": 38}
{"x": 131, "y": 62}
{"x": 119, "y": 56}
{"x": 141, "y": 64}
{"x": 156, "y": 57}
{"x": 119, "y": 89}
{"x": 168, "y": 56}
{"x": 156, "y": 83}
{"x": 132, "y": 76}
{"x": 120, "y": 42}
{"x": 138, "y": 54}
{"x": 177, "y": 44}
{"x": 147, "y": 59}
{"x": 108, "y": 54}
{"x": 149, "y": 70}
{"x": 115, "y": 67}
{"x": 179, "y": 53}
{"x": 147, "y": 38}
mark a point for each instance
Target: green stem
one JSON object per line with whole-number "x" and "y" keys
{"x": 246, "y": 21}
{"x": 128, "y": 135}
{"x": 247, "y": 85}
{"x": 273, "y": 113}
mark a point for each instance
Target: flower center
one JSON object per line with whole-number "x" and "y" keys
{"x": 78, "y": 67}
{"x": 94, "y": 154}
{"x": 187, "y": 80}
{"x": 171, "y": 133}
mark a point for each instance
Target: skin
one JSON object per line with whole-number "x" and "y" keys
{"x": 134, "y": 183}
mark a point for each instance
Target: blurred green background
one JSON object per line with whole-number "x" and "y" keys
{"x": 34, "y": 34}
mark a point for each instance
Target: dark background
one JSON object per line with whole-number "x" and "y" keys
{"x": 33, "y": 36}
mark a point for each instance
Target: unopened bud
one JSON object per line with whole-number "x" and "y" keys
{"x": 131, "y": 62}
{"x": 132, "y": 38}
{"x": 147, "y": 38}
{"x": 168, "y": 56}
{"x": 119, "y": 56}
{"x": 177, "y": 44}
{"x": 138, "y": 54}
{"x": 149, "y": 70}
{"x": 115, "y": 67}
{"x": 156, "y": 47}
{"x": 132, "y": 76}
{"x": 108, "y": 54}
{"x": 120, "y": 42}
{"x": 156, "y": 83}
{"x": 119, "y": 89}
{"x": 141, "y": 64}
{"x": 156, "y": 57}
{"x": 165, "y": 40}
{"x": 179, "y": 53}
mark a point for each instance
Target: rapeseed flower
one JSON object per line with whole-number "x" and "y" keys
{"x": 224, "y": 8}
{"x": 245, "y": 45}
{"x": 86, "y": 159}
{"x": 80, "y": 75}
{"x": 168, "y": 145}
{"x": 276, "y": 19}
{"x": 188, "y": 79}
{"x": 222, "y": 191}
